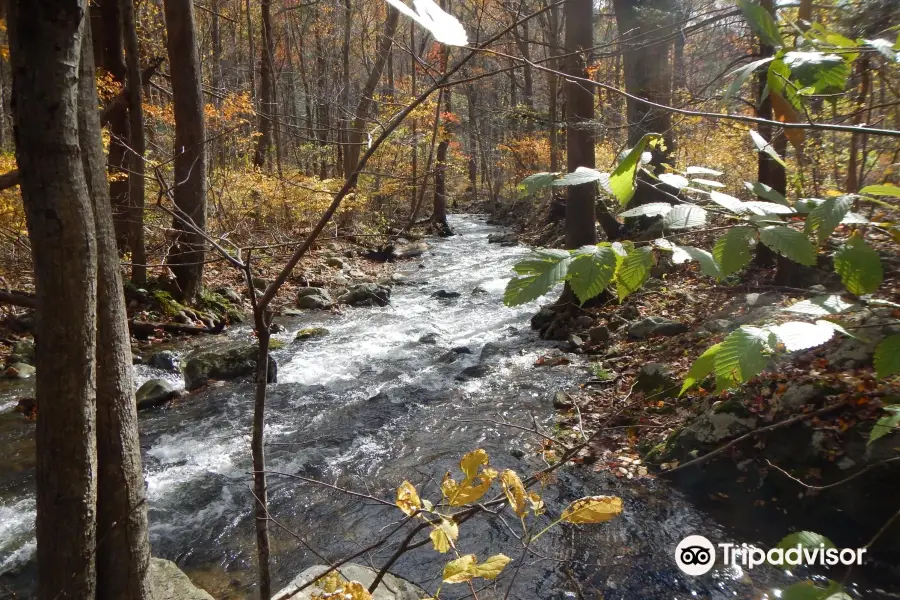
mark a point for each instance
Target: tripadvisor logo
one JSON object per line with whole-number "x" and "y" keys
{"x": 696, "y": 555}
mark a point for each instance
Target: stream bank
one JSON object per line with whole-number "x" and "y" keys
{"x": 392, "y": 393}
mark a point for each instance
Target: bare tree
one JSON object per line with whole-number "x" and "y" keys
{"x": 189, "y": 248}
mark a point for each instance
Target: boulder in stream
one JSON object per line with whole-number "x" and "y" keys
{"x": 653, "y": 326}
{"x": 390, "y": 588}
{"x": 310, "y": 333}
{"x": 366, "y": 294}
{"x": 170, "y": 583}
{"x": 314, "y": 297}
{"x": 155, "y": 392}
{"x": 165, "y": 360}
{"x": 20, "y": 371}
{"x": 22, "y": 352}
{"x": 225, "y": 361}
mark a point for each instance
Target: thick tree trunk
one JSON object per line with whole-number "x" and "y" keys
{"x": 138, "y": 144}
{"x": 648, "y": 74}
{"x": 123, "y": 550}
{"x": 267, "y": 110}
{"x": 45, "y": 46}
{"x": 581, "y": 228}
{"x": 357, "y": 129}
{"x": 187, "y": 253}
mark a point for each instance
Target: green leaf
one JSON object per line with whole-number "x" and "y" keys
{"x": 885, "y": 425}
{"x": 763, "y": 146}
{"x": 733, "y": 251}
{"x": 685, "y": 216}
{"x": 708, "y": 265}
{"x": 859, "y": 266}
{"x": 820, "y": 306}
{"x": 675, "y": 180}
{"x": 789, "y": 243}
{"x": 884, "y": 189}
{"x": 729, "y": 202}
{"x": 764, "y": 191}
{"x": 707, "y": 183}
{"x": 804, "y": 590}
{"x": 804, "y": 539}
{"x": 632, "y": 271}
{"x": 535, "y": 183}
{"x": 742, "y": 356}
{"x": 818, "y": 70}
{"x": 761, "y": 22}
{"x": 579, "y": 176}
{"x": 703, "y": 171}
{"x": 702, "y": 367}
{"x": 824, "y": 218}
{"x": 887, "y": 357}
{"x": 590, "y": 273}
{"x": 621, "y": 182}
{"x": 742, "y": 74}
{"x": 538, "y": 274}
{"x": 760, "y": 208}
{"x": 654, "y": 209}
{"x": 797, "y": 335}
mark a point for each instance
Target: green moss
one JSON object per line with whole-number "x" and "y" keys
{"x": 276, "y": 344}
{"x": 167, "y": 304}
{"x": 310, "y": 333}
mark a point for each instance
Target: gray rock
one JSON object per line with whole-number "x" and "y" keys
{"x": 155, "y": 392}
{"x": 334, "y": 261}
{"x": 349, "y": 253}
{"x": 599, "y": 334}
{"x": 575, "y": 341}
{"x": 390, "y": 588}
{"x": 170, "y": 583}
{"x": 717, "y": 326}
{"x": 356, "y": 274}
{"x": 22, "y": 352}
{"x": 479, "y": 291}
{"x": 429, "y": 338}
{"x": 291, "y": 312}
{"x": 505, "y": 239}
{"x": 656, "y": 380}
{"x": 852, "y": 353}
{"x": 473, "y": 372}
{"x": 339, "y": 279}
{"x": 230, "y": 294}
{"x": 366, "y": 294}
{"x": 445, "y": 294}
{"x": 543, "y": 318}
{"x": 398, "y": 278}
{"x": 260, "y": 283}
{"x": 462, "y": 350}
{"x": 313, "y": 297}
{"x": 583, "y": 321}
{"x": 409, "y": 250}
{"x": 448, "y": 357}
{"x": 653, "y": 326}
{"x": 799, "y": 395}
{"x": 20, "y": 371}
{"x": 310, "y": 333}
{"x": 756, "y": 300}
{"x": 724, "y": 421}
{"x": 182, "y": 317}
{"x": 165, "y": 360}
{"x": 490, "y": 351}
{"x": 224, "y": 362}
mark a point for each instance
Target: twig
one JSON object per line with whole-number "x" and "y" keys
{"x": 836, "y": 483}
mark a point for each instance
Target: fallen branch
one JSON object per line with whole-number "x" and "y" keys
{"x": 23, "y": 299}
{"x": 143, "y": 329}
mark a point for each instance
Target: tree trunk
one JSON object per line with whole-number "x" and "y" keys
{"x": 108, "y": 53}
{"x": 355, "y": 135}
{"x": 581, "y": 226}
{"x": 648, "y": 74}
{"x": 138, "y": 145}
{"x": 266, "y": 88}
{"x": 189, "y": 249}
{"x": 439, "y": 210}
{"x": 45, "y": 42}
{"x": 123, "y": 549}
{"x": 258, "y": 452}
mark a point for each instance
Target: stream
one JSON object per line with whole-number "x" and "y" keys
{"x": 380, "y": 399}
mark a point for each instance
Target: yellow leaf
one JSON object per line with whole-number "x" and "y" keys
{"x": 350, "y": 590}
{"x": 537, "y": 504}
{"x": 593, "y": 509}
{"x": 471, "y": 461}
{"x": 459, "y": 570}
{"x": 408, "y": 499}
{"x": 468, "y": 491}
{"x": 443, "y": 535}
{"x": 330, "y": 583}
{"x": 514, "y": 490}
{"x": 492, "y": 567}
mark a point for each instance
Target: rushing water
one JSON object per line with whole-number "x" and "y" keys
{"x": 367, "y": 406}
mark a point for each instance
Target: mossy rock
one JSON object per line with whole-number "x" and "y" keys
{"x": 310, "y": 333}
{"x": 168, "y": 305}
{"x": 224, "y": 362}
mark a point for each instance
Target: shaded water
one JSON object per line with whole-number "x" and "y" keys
{"x": 372, "y": 404}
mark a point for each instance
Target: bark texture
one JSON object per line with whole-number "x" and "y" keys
{"x": 45, "y": 46}
{"x": 123, "y": 548}
{"x": 189, "y": 249}
{"x": 266, "y": 88}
